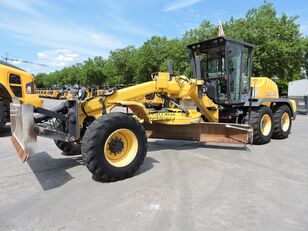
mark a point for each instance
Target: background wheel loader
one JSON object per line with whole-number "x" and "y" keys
{"x": 15, "y": 82}
{"x": 225, "y": 109}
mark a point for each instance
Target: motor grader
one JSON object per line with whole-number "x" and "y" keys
{"x": 15, "y": 82}
{"x": 114, "y": 144}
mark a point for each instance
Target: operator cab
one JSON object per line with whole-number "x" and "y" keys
{"x": 225, "y": 66}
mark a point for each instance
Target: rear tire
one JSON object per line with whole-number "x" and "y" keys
{"x": 4, "y": 114}
{"x": 114, "y": 146}
{"x": 261, "y": 120}
{"x": 282, "y": 122}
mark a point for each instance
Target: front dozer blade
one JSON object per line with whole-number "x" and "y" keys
{"x": 22, "y": 126}
{"x": 203, "y": 132}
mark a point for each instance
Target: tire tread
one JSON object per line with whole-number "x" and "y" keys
{"x": 255, "y": 117}
{"x": 278, "y": 132}
{"x": 90, "y": 140}
{"x": 4, "y": 114}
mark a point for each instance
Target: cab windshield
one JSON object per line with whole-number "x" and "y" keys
{"x": 225, "y": 65}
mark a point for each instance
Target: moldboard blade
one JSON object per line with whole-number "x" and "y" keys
{"x": 202, "y": 132}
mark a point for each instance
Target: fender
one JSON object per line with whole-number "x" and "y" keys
{"x": 4, "y": 93}
{"x": 259, "y": 102}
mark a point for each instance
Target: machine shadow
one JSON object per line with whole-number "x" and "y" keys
{"x": 146, "y": 166}
{"x": 51, "y": 173}
{"x": 6, "y": 131}
{"x": 55, "y": 175}
{"x": 180, "y": 145}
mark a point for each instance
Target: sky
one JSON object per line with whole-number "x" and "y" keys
{"x": 61, "y": 33}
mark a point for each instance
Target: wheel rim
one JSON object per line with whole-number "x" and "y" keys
{"x": 121, "y": 147}
{"x": 266, "y": 124}
{"x": 285, "y": 121}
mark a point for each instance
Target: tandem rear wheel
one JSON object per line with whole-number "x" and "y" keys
{"x": 270, "y": 123}
{"x": 261, "y": 120}
{"x": 282, "y": 122}
{"x": 114, "y": 146}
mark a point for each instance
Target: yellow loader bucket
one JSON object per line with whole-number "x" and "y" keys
{"x": 22, "y": 127}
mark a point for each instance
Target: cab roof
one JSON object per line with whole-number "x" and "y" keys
{"x": 216, "y": 42}
{"x": 10, "y": 65}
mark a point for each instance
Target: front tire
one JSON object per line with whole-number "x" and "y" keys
{"x": 4, "y": 114}
{"x": 261, "y": 120}
{"x": 114, "y": 146}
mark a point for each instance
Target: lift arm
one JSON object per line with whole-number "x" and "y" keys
{"x": 175, "y": 87}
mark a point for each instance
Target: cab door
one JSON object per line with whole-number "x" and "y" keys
{"x": 238, "y": 71}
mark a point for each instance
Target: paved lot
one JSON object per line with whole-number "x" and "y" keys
{"x": 180, "y": 186}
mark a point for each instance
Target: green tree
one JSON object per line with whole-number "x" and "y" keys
{"x": 40, "y": 80}
{"x": 122, "y": 66}
{"x": 278, "y": 39}
{"x": 205, "y": 31}
{"x": 281, "y": 52}
{"x": 305, "y": 56}
{"x": 92, "y": 72}
{"x": 177, "y": 51}
{"x": 152, "y": 55}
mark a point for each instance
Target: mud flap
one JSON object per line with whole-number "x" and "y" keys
{"x": 203, "y": 132}
{"x": 22, "y": 127}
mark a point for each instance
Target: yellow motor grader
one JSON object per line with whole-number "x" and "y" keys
{"x": 114, "y": 144}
